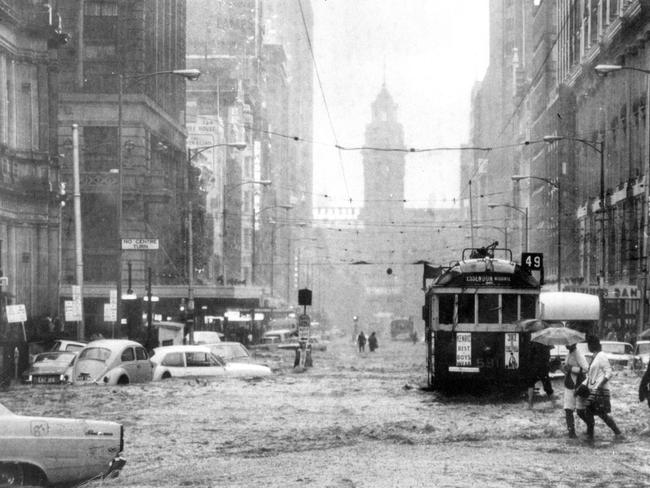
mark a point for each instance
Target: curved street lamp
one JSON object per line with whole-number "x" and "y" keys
{"x": 599, "y": 147}
{"x": 188, "y": 74}
{"x": 554, "y": 184}
{"x": 522, "y": 210}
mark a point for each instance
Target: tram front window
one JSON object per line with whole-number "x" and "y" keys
{"x": 528, "y": 306}
{"x": 466, "y": 309}
{"x": 488, "y": 308}
{"x": 446, "y": 309}
{"x": 509, "y": 308}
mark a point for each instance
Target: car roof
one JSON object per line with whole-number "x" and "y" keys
{"x": 615, "y": 342}
{"x": 182, "y": 348}
{"x": 112, "y": 343}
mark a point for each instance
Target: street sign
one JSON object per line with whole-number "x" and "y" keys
{"x": 110, "y": 312}
{"x": 4, "y": 281}
{"x": 112, "y": 297}
{"x": 140, "y": 244}
{"x": 304, "y": 322}
{"x": 16, "y": 313}
{"x": 72, "y": 311}
{"x": 76, "y": 292}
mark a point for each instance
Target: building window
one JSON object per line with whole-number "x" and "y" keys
{"x": 100, "y": 145}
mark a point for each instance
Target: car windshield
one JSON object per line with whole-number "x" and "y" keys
{"x": 230, "y": 351}
{"x": 96, "y": 353}
{"x": 643, "y": 348}
{"x": 617, "y": 348}
{"x": 52, "y": 358}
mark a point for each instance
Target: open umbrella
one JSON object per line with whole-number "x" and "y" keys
{"x": 554, "y": 336}
{"x": 535, "y": 325}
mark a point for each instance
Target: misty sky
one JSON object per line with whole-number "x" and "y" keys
{"x": 433, "y": 52}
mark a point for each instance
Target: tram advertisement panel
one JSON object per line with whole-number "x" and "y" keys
{"x": 511, "y": 350}
{"x": 463, "y": 349}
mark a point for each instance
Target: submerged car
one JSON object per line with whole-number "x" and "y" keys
{"x": 112, "y": 362}
{"x": 236, "y": 352}
{"x": 50, "y": 368}
{"x": 66, "y": 345}
{"x": 44, "y": 451}
{"x": 620, "y": 354}
{"x": 198, "y": 361}
{"x": 642, "y": 351}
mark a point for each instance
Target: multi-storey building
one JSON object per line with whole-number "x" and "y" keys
{"x": 581, "y": 144}
{"x": 115, "y": 84}
{"x": 29, "y": 164}
{"x": 258, "y": 87}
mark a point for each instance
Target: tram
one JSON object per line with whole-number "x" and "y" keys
{"x": 472, "y": 315}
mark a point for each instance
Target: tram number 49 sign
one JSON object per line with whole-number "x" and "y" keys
{"x": 532, "y": 260}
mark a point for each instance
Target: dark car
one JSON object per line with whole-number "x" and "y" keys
{"x": 50, "y": 368}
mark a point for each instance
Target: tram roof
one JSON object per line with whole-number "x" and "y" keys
{"x": 486, "y": 272}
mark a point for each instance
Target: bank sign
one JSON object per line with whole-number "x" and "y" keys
{"x": 623, "y": 292}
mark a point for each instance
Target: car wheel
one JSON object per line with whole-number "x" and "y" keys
{"x": 166, "y": 375}
{"x": 123, "y": 380}
{"x": 11, "y": 474}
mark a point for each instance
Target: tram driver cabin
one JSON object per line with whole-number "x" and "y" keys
{"x": 472, "y": 312}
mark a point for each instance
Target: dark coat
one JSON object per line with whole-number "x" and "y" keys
{"x": 644, "y": 394}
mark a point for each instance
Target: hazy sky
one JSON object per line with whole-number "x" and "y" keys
{"x": 433, "y": 52}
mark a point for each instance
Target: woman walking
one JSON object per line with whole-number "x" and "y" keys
{"x": 575, "y": 368}
{"x": 598, "y": 402}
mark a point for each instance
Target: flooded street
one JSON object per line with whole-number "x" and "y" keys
{"x": 352, "y": 420}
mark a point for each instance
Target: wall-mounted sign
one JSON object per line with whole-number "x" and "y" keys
{"x": 16, "y": 313}
{"x": 140, "y": 244}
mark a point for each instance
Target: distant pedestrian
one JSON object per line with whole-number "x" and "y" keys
{"x": 644, "y": 394}
{"x": 598, "y": 402}
{"x": 414, "y": 337}
{"x": 361, "y": 341}
{"x": 539, "y": 357}
{"x": 372, "y": 342}
{"x": 575, "y": 370}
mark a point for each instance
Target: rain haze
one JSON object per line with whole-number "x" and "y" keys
{"x": 324, "y": 243}
{"x": 429, "y": 54}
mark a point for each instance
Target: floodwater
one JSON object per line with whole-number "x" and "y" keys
{"x": 353, "y": 420}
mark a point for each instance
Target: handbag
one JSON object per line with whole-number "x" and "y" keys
{"x": 582, "y": 390}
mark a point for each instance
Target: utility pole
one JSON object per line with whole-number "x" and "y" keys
{"x": 79, "y": 266}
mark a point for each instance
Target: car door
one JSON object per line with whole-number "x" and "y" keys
{"x": 128, "y": 363}
{"x": 203, "y": 363}
{"x": 143, "y": 365}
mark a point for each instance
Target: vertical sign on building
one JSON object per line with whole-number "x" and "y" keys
{"x": 463, "y": 349}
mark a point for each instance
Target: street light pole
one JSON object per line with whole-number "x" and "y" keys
{"x": 522, "y": 210}
{"x": 188, "y": 74}
{"x": 555, "y": 184}
{"x": 604, "y": 69}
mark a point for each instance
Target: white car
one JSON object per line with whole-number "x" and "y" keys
{"x": 112, "y": 362}
{"x": 642, "y": 350}
{"x": 44, "y": 451}
{"x": 198, "y": 361}
{"x": 204, "y": 337}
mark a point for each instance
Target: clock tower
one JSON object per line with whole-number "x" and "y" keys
{"x": 383, "y": 168}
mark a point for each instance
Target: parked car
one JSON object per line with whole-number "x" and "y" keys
{"x": 236, "y": 352}
{"x": 50, "y": 368}
{"x": 620, "y": 354}
{"x": 43, "y": 451}
{"x": 112, "y": 362}
{"x": 642, "y": 351}
{"x": 66, "y": 345}
{"x": 280, "y": 336}
{"x": 198, "y": 361}
{"x": 204, "y": 337}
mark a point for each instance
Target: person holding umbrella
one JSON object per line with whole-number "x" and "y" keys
{"x": 575, "y": 368}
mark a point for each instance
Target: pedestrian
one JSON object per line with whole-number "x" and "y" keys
{"x": 414, "y": 337}
{"x": 539, "y": 357}
{"x": 361, "y": 341}
{"x": 598, "y": 402}
{"x": 644, "y": 394}
{"x": 372, "y": 342}
{"x": 575, "y": 370}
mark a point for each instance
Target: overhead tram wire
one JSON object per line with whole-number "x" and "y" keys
{"x": 322, "y": 92}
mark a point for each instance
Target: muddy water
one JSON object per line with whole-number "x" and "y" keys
{"x": 353, "y": 420}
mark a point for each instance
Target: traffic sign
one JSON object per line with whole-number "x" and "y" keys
{"x": 304, "y": 322}
{"x": 110, "y": 312}
{"x": 16, "y": 313}
{"x": 72, "y": 311}
{"x": 140, "y": 244}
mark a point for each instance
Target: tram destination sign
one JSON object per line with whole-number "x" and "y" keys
{"x": 139, "y": 244}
